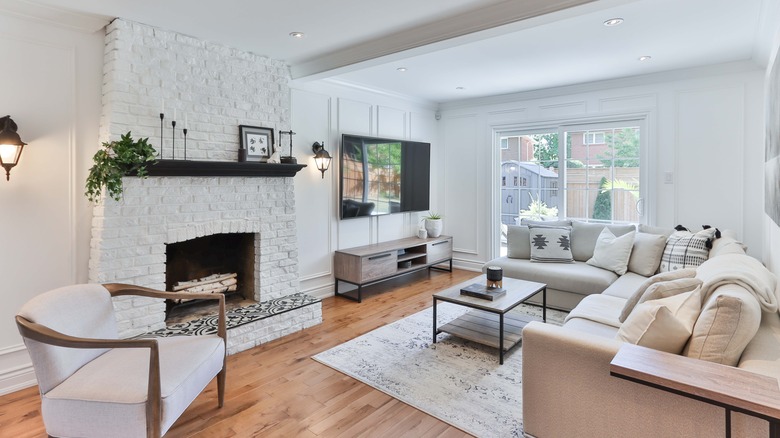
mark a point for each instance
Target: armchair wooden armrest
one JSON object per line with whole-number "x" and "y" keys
{"x": 119, "y": 289}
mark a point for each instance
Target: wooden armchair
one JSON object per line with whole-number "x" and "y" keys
{"x": 93, "y": 384}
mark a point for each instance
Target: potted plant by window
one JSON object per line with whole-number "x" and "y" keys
{"x": 433, "y": 224}
{"x": 115, "y": 160}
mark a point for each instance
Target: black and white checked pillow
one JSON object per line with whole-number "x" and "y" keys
{"x": 550, "y": 244}
{"x": 686, "y": 250}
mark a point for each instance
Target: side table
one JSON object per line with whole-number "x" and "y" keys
{"x": 732, "y": 388}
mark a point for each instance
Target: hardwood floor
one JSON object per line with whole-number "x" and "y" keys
{"x": 277, "y": 390}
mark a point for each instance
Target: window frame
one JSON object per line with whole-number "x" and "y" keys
{"x": 645, "y": 120}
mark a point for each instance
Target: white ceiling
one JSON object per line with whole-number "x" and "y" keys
{"x": 488, "y": 47}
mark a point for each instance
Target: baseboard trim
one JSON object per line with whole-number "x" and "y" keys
{"x": 467, "y": 265}
{"x": 16, "y": 370}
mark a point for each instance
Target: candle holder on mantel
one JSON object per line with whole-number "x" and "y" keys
{"x": 288, "y": 159}
{"x": 159, "y": 153}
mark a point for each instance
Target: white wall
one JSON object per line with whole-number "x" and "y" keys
{"x": 703, "y": 125}
{"x": 51, "y": 87}
{"x": 322, "y": 112}
{"x": 771, "y": 249}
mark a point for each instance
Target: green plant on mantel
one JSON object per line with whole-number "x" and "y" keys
{"x": 115, "y": 160}
{"x": 432, "y": 216}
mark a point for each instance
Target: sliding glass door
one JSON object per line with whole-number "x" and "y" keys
{"x": 587, "y": 172}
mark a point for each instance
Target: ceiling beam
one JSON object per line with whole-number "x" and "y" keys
{"x": 467, "y": 23}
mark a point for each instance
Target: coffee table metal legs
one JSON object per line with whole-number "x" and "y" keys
{"x": 500, "y": 338}
{"x": 435, "y": 328}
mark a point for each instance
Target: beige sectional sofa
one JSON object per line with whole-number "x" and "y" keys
{"x": 567, "y": 387}
{"x": 568, "y": 283}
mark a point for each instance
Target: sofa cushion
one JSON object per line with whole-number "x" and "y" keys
{"x": 187, "y": 365}
{"x": 727, "y": 323}
{"x": 666, "y": 232}
{"x": 665, "y": 324}
{"x": 579, "y": 278}
{"x": 612, "y": 253}
{"x": 666, "y": 289}
{"x": 518, "y": 242}
{"x": 559, "y": 223}
{"x": 664, "y": 276}
{"x": 727, "y": 245}
{"x": 600, "y": 308}
{"x": 625, "y": 286}
{"x": 762, "y": 353}
{"x": 583, "y": 325}
{"x": 686, "y": 250}
{"x": 584, "y": 236}
{"x": 646, "y": 254}
{"x": 550, "y": 244}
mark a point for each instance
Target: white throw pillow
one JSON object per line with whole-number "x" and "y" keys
{"x": 612, "y": 253}
{"x": 550, "y": 244}
{"x": 665, "y": 324}
{"x": 657, "y": 278}
{"x": 646, "y": 255}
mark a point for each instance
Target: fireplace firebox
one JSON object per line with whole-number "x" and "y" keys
{"x": 219, "y": 263}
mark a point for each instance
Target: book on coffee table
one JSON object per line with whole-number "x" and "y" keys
{"x": 481, "y": 291}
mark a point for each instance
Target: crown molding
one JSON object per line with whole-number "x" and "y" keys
{"x": 55, "y": 16}
{"x": 486, "y": 18}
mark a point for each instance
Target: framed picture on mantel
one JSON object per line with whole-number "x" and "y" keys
{"x": 256, "y": 143}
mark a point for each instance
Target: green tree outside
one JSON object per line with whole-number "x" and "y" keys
{"x": 624, "y": 145}
{"x": 602, "y": 208}
{"x": 546, "y": 151}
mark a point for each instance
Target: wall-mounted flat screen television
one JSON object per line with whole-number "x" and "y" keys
{"x": 383, "y": 176}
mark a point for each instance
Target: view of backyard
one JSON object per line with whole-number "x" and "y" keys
{"x": 594, "y": 178}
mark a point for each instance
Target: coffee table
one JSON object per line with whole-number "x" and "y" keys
{"x": 488, "y": 322}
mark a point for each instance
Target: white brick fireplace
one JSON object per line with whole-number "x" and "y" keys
{"x": 218, "y": 88}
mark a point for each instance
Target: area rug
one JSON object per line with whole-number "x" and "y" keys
{"x": 456, "y": 381}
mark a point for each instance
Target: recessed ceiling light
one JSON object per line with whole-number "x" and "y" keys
{"x": 296, "y": 34}
{"x": 613, "y": 22}
{"x": 401, "y": 69}
{"x": 645, "y": 58}
{"x": 460, "y": 88}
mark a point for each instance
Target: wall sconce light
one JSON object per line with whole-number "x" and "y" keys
{"x": 321, "y": 157}
{"x": 11, "y": 145}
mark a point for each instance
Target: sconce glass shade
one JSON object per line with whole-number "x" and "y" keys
{"x": 321, "y": 158}
{"x": 11, "y": 145}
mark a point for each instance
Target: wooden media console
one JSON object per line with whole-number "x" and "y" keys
{"x": 370, "y": 264}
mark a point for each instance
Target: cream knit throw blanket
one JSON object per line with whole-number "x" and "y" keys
{"x": 742, "y": 270}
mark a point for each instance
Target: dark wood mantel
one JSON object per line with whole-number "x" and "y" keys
{"x": 221, "y": 168}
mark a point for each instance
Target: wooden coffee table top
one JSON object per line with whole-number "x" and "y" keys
{"x": 517, "y": 291}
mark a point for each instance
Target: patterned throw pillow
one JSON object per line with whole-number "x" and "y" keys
{"x": 686, "y": 250}
{"x": 550, "y": 244}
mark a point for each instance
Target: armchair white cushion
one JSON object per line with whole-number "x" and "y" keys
{"x": 105, "y": 392}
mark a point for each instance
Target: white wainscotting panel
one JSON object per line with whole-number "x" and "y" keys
{"x": 422, "y": 126}
{"x": 462, "y": 179}
{"x": 710, "y": 151}
{"x": 16, "y": 370}
{"x": 314, "y": 201}
{"x": 628, "y": 103}
{"x": 556, "y": 110}
{"x": 354, "y": 117}
{"x": 391, "y": 122}
{"x": 39, "y": 248}
{"x": 392, "y": 226}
